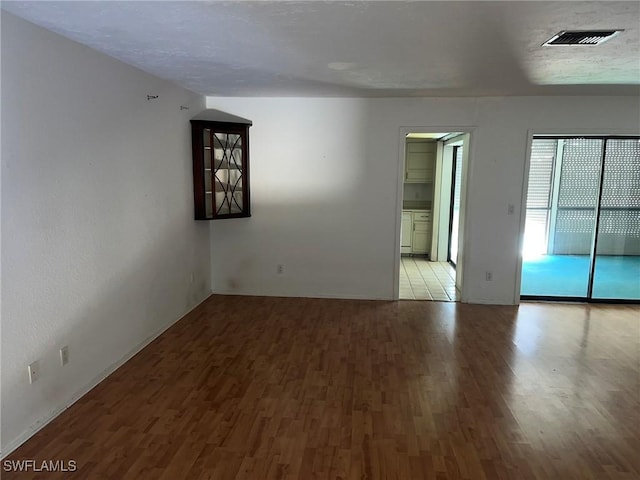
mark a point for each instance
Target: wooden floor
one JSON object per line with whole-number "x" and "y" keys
{"x": 255, "y": 388}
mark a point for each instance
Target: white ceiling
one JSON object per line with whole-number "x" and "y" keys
{"x": 358, "y": 48}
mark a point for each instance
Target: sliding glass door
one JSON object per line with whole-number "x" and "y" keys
{"x": 577, "y": 187}
{"x": 617, "y": 260}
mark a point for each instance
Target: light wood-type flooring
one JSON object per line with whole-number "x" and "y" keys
{"x": 280, "y": 388}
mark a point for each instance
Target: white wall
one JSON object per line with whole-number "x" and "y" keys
{"x": 98, "y": 237}
{"x": 325, "y": 189}
{"x": 418, "y": 192}
{"x": 311, "y": 203}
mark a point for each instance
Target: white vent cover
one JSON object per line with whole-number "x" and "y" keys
{"x": 581, "y": 37}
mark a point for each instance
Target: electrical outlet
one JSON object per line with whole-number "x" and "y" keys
{"x": 280, "y": 269}
{"x": 488, "y": 276}
{"x": 64, "y": 356}
{"x": 511, "y": 209}
{"x": 34, "y": 371}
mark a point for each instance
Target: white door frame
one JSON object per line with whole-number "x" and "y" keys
{"x": 466, "y": 176}
{"x": 442, "y": 249}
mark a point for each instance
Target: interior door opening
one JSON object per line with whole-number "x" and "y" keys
{"x": 430, "y": 218}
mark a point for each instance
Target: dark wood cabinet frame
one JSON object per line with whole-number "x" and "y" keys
{"x": 198, "y": 127}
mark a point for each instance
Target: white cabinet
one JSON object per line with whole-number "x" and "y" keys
{"x": 419, "y": 161}
{"x": 416, "y": 232}
{"x": 421, "y": 232}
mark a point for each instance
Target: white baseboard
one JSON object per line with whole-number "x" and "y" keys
{"x": 337, "y": 296}
{"x": 347, "y": 296}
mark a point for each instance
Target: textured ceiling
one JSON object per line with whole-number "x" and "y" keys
{"x": 358, "y": 48}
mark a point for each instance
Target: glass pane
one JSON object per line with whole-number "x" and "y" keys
{"x": 218, "y": 155}
{"x": 559, "y": 232}
{"x": 236, "y": 205}
{"x": 228, "y": 169}
{"x": 455, "y": 206}
{"x": 617, "y": 265}
{"x": 543, "y": 153}
{"x": 236, "y": 158}
{"x": 207, "y": 159}
{"x": 207, "y": 182}
{"x": 208, "y": 199}
{"x": 222, "y": 204}
{"x": 234, "y": 141}
{"x": 222, "y": 176}
{"x": 235, "y": 177}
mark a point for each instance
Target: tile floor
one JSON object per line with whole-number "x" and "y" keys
{"x": 421, "y": 279}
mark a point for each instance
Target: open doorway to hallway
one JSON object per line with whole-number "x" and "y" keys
{"x": 431, "y": 233}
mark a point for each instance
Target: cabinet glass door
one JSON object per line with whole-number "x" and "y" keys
{"x": 227, "y": 173}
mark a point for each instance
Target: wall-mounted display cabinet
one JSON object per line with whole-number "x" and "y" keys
{"x": 220, "y": 165}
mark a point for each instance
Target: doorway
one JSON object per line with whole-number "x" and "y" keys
{"x": 582, "y": 224}
{"x": 430, "y": 213}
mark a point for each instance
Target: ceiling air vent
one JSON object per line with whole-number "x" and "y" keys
{"x": 581, "y": 37}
